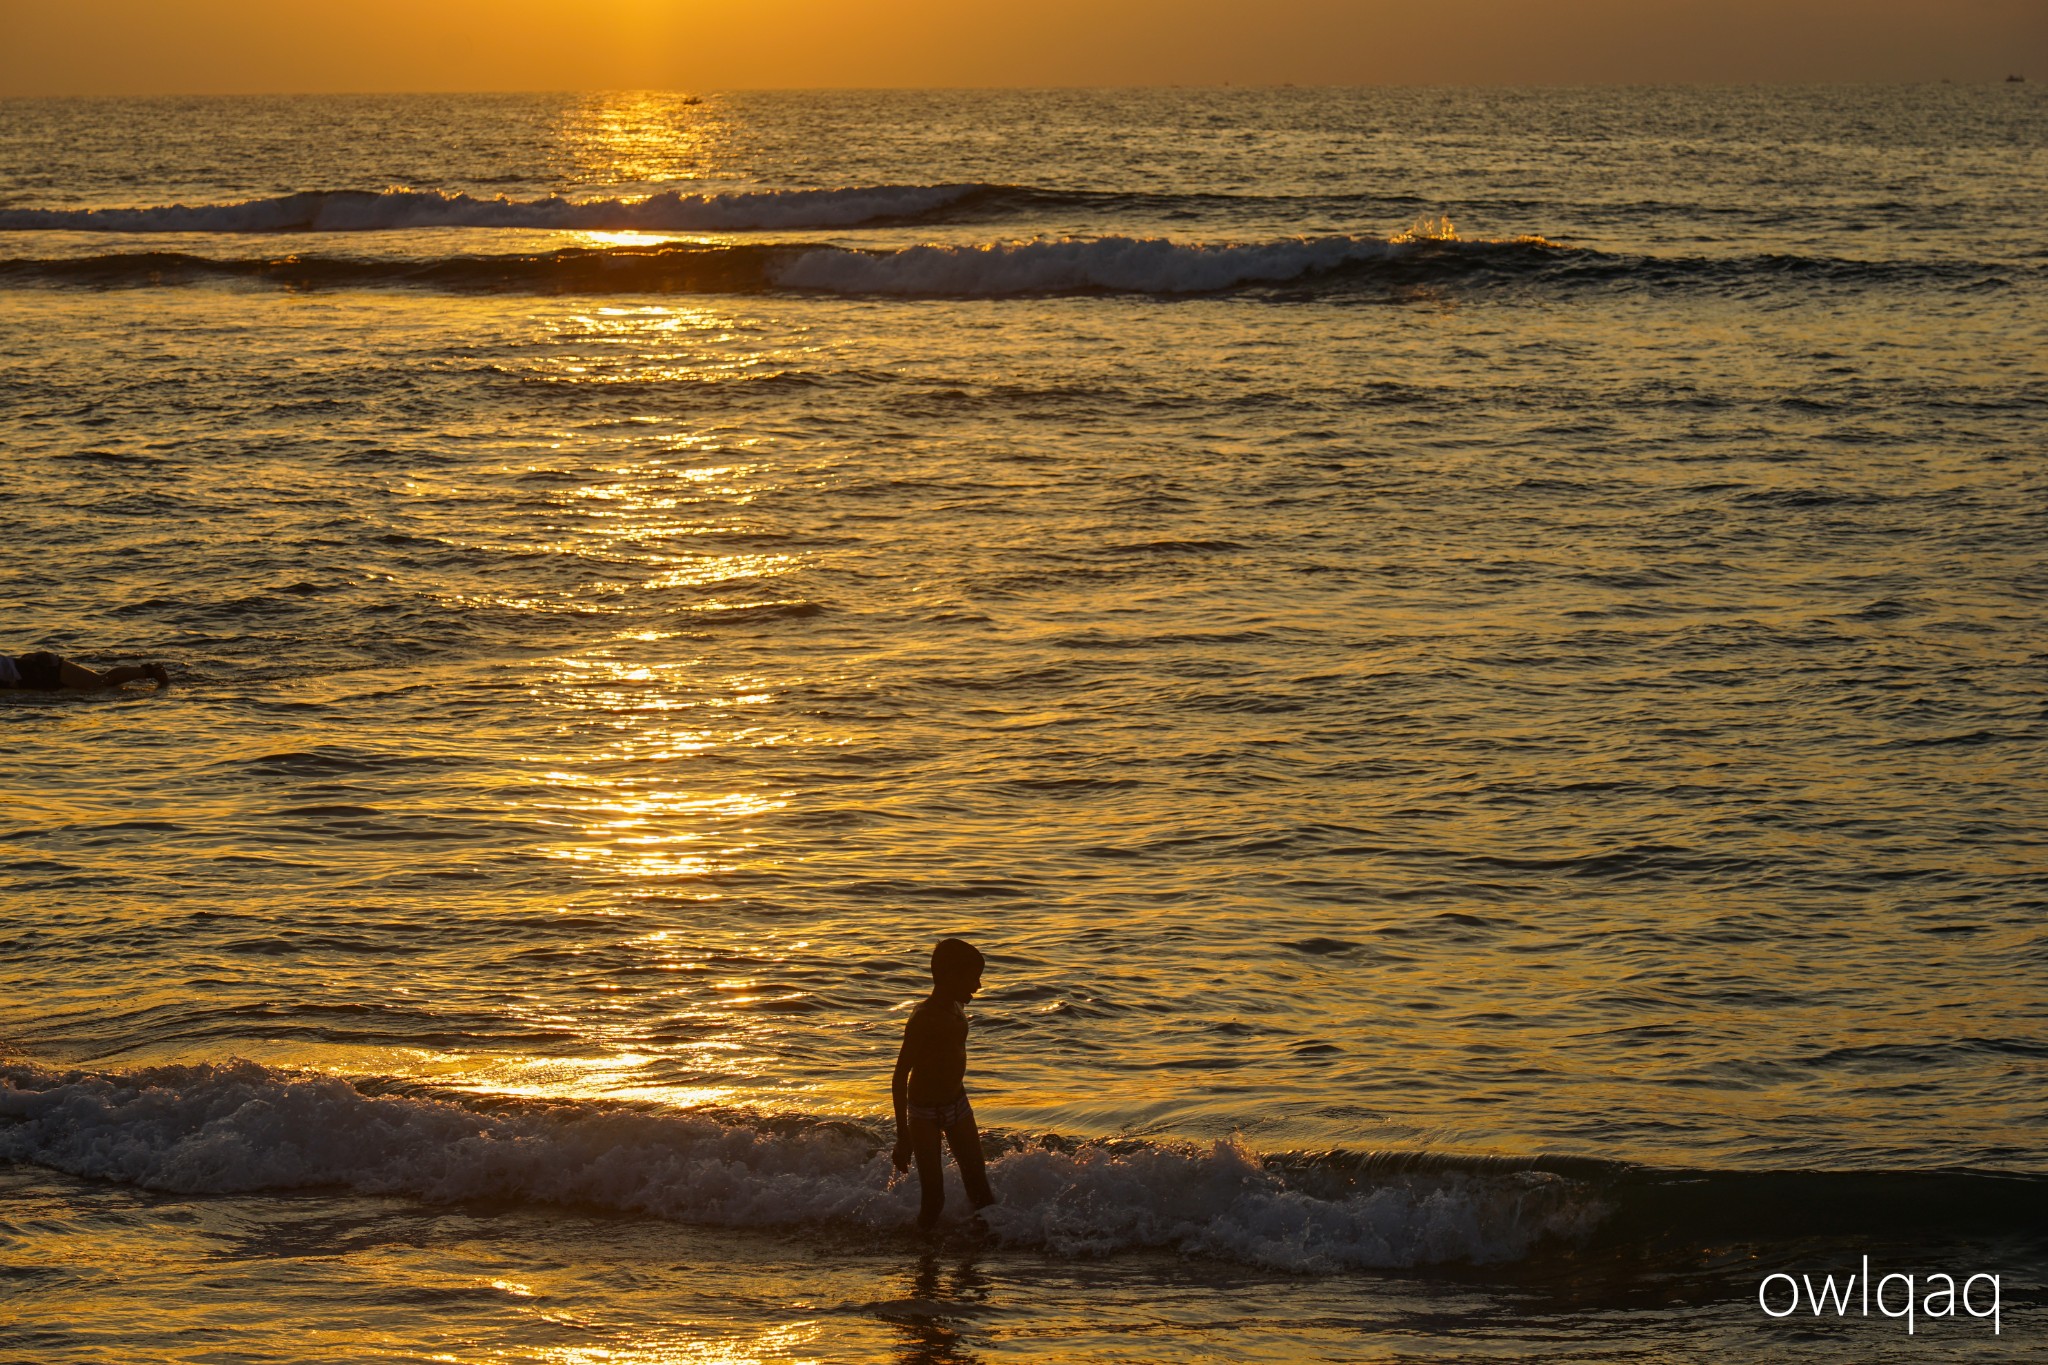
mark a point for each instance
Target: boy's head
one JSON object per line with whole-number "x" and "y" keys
{"x": 956, "y": 969}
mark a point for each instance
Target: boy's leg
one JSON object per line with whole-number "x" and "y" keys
{"x": 931, "y": 1173}
{"x": 965, "y": 1140}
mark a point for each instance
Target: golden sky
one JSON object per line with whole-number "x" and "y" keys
{"x": 276, "y": 46}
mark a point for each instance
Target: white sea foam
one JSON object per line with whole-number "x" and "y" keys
{"x": 363, "y": 211}
{"x": 1150, "y": 265}
{"x": 240, "y": 1127}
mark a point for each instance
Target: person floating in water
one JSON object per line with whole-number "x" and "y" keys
{"x": 42, "y": 671}
{"x": 930, "y": 1087}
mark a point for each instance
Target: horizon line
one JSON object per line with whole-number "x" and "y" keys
{"x": 2011, "y": 78}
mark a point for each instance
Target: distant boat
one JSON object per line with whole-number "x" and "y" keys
{"x": 2013, "y": 80}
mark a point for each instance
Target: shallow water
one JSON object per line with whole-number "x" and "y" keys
{"x": 1564, "y": 689}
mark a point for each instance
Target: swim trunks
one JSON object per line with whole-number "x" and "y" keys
{"x": 944, "y": 1115}
{"x": 41, "y": 670}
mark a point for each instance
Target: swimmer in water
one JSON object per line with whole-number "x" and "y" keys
{"x": 930, "y": 1087}
{"x": 42, "y": 671}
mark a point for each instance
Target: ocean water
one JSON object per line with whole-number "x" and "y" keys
{"x": 1474, "y": 660}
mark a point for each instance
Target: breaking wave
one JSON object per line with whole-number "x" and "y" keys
{"x": 240, "y": 1127}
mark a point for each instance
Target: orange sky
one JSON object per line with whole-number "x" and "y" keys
{"x": 264, "y": 46}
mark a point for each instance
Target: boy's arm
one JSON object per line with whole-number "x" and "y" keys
{"x": 899, "y": 1084}
{"x": 899, "y": 1093}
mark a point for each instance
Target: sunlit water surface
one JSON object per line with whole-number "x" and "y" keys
{"x": 1504, "y": 705}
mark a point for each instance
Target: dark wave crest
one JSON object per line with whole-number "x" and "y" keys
{"x": 1046, "y": 266}
{"x": 1106, "y": 265}
{"x": 400, "y": 210}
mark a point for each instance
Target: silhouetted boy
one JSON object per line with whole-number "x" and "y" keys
{"x": 930, "y": 1084}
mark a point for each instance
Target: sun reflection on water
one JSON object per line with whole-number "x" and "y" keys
{"x": 661, "y": 833}
{"x": 711, "y": 569}
{"x": 621, "y": 814}
{"x": 644, "y": 140}
{"x": 784, "y": 1342}
{"x": 664, "y": 343}
{"x": 629, "y": 781}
